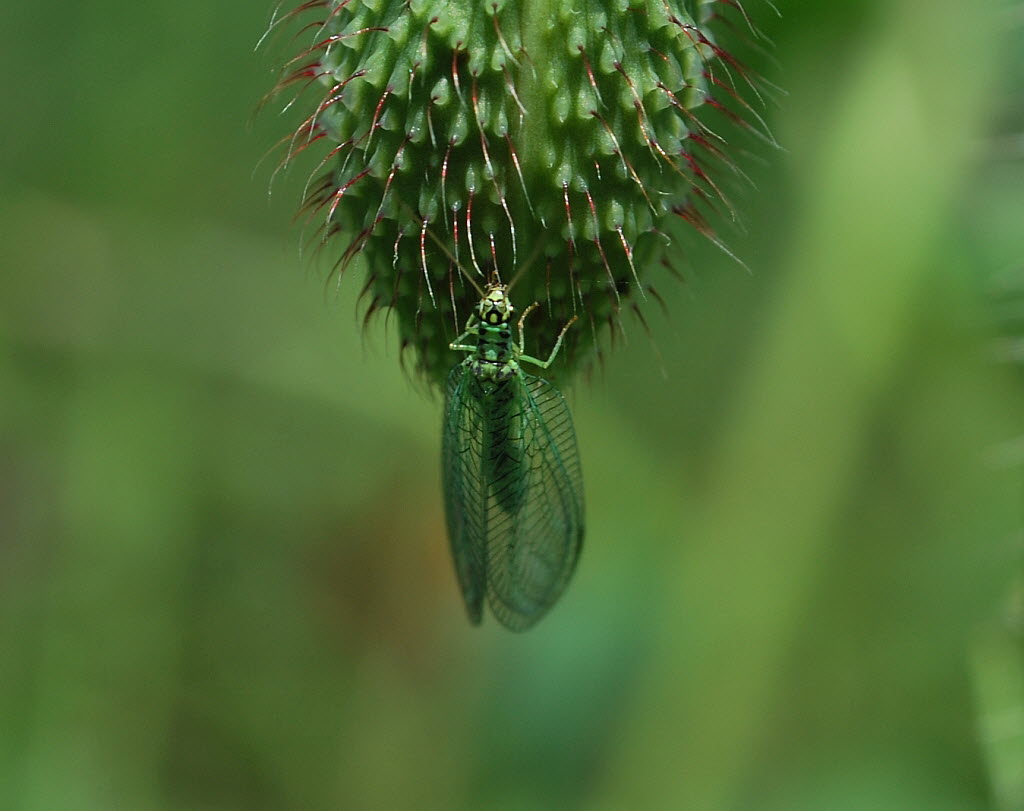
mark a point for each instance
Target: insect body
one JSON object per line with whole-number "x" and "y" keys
{"x": 512, "y": 482}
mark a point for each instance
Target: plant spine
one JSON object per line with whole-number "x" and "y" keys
{"x": 554, "y": 141}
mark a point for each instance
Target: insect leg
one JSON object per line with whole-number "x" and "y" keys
{"x": 457, "y": 343}
{"x": 522, "y": 318}
{"x": 544, "y": 364}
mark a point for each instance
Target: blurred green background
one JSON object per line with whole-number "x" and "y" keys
{"x": 224, "y": 577}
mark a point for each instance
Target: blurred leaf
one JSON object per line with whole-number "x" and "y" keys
{"x": 999, "y": 683}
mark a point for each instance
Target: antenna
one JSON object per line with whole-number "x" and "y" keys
{"x": 529, "y": 261}
{"x": 444, "y": 248}
{"x": 495, "y": 274}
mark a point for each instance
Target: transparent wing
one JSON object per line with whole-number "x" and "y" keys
{"x": 534, "y": 527}
{"x": 513, "y": 494}
{"x": 465, "y": 488}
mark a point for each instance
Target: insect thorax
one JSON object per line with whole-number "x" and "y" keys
{"x": 496, "y": 355}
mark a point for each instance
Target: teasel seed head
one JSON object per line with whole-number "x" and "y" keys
{"x": 551, "y": 141}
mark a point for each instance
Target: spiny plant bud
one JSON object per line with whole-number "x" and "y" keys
{"x": 549, "y": 141}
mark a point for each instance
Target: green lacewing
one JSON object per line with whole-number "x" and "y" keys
{"x": 513, "y": 488}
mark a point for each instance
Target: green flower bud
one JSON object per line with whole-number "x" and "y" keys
{"x": 549, "y": 141}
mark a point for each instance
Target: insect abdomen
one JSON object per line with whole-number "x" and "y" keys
{"x": 503, "y": 451}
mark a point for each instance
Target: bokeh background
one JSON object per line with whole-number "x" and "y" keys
{"x": 224, "y": 578}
